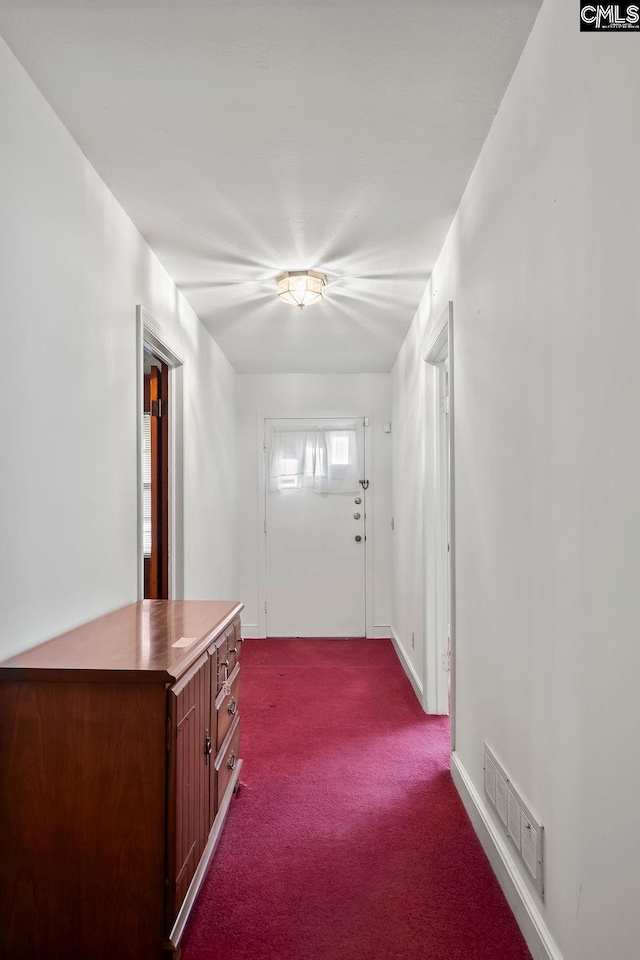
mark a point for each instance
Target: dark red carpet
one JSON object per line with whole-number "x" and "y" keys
{"x": 347, "y": 839}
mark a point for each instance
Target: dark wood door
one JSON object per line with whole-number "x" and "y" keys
{"x": 156, "y": 409}
{"x": 191, "y": 759}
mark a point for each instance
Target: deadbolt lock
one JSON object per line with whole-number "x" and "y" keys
{"x": 358, "y": 538}
{"x": 358, "y": 501}
{"x": 356, "y": 516}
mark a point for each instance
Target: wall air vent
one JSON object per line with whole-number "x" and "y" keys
{"x": 522, "y": 827}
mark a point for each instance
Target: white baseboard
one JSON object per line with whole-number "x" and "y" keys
{"x": 522, "y": 902}
{"x": 251, "y": 631}
{"x": 409, "y": 669}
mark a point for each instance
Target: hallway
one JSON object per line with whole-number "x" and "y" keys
{"x": 347, "y": 838}
{"x": 452, "y": 172}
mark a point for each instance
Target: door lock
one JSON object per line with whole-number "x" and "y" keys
{"x": 358, "y": 538}
{"x": 356, "y": 516}
{"x": 358, "y": 501}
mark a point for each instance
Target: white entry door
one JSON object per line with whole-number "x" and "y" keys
{"x": 315, "y": 528}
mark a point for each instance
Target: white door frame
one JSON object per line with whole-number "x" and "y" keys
{"x": 440, "y": 520}
{"x": 150, "y": 334}
{"x": 261, "y": 419}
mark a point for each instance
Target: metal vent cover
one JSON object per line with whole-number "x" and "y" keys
{"x": 529, "y": 845}
{"x": 514, "y": 819}
{"x": 523, "y": 829}
{"x": 490, "y": 778}
{"x": 502, "y": 788}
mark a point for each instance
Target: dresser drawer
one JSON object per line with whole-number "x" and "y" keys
{"x": 227, "y": 758}
{"x": 228, "y": 648}
{"x": 233, "y": 645}
{"x": 227, "y": 706}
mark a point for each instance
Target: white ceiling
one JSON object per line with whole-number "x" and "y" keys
{"x": 247, "y": 138}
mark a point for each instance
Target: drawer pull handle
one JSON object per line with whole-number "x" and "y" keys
{"x": 232, "y": 706}
{"x": 225, "y": 665}
{"x": 208, "y": 746}
{"x": 231, "y": 762}
{"x": 233, "y": 650}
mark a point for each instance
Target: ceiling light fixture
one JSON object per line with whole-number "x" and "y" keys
{"x": 301, "y": 288}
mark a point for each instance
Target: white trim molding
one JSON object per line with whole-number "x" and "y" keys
{"x": 438, "y": 338}
{"x": 408, "y": 667}
{"x": 251, "y": 631}
{"x": 525, "y": 909}
{"x": 158, "y": 338}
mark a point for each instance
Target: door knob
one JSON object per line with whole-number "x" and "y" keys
{"x": 358, "y": 538}
{"x": 356, "y": 516}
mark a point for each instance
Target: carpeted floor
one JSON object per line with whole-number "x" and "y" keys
{"x": 347, "y": 839}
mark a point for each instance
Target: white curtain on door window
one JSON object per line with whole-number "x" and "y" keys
{"x": 322, "y": 458}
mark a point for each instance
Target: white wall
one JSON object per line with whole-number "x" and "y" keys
{"x": 309, "y": 395}
{"x": 542, "y": 266}
{"x": 72, "y": 269}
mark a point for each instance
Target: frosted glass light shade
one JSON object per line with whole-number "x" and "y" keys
{"x": 301, "y": 287}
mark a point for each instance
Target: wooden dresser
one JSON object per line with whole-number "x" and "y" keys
{"x": 119, "y": 755}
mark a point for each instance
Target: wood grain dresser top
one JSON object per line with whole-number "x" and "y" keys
{"x": 151, "y": 640}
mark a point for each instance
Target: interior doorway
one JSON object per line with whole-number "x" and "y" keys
{"x": 440, "y": 525}
{"x": 160, "y": 463}
{"x": 155, "y": 477}
{"x": 443, "y": 468}
{"x": 315, "y": 527}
